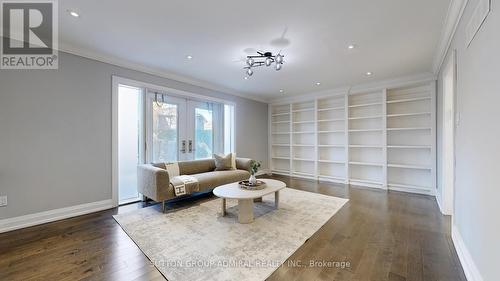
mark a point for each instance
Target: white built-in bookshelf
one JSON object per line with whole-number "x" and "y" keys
{"x": 382, "y": 138}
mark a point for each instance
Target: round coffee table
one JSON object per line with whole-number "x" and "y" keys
{"x": 246, "y": 197}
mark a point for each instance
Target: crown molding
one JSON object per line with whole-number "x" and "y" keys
{"x": 116, "y": 61}
{"x": 361, "y": 88}
{"x": 453, "y": 17}
{"x": 119, "y": 62}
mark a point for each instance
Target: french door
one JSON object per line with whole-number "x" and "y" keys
{"x": 180, "y": 129}
{"x": 150, "y": 127}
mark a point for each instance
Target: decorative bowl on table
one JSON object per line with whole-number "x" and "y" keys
{"x": 249, "y": 186}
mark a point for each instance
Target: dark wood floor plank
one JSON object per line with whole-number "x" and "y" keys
{"x": 383, "y": 235}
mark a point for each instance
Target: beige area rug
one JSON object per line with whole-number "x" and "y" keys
{"x": 196, "y": 243}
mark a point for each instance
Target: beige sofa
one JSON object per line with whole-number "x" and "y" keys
{"x": 153, "y": 180}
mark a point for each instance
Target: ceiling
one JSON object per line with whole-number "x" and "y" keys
{"x": 393, "y": 38}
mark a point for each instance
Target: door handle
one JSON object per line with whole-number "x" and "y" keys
{"x": 190, "y": 145}
{"x": 183, "y": 146}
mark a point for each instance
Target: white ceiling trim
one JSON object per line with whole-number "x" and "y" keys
{"x": 361, "y": 88}
{"x": 453, "y": 16}
{"x": 152, "y": 71}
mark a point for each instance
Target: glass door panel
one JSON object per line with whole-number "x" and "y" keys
{"x": 165, "y": 133}
{"x": 166, "y": 137}
{"x": 203, "y": 133}
{"x": 130, "y": 140}
{"x": 205, "y": 129}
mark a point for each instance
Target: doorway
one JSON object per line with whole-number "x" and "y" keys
{"x": 448, "y": 135}
{"x": 180, "y": 129}
{"x": 152, "y": 124}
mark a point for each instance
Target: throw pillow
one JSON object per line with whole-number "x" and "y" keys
{"x": 223, "y": 162}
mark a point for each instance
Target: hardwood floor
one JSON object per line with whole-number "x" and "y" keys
{"x": 382, "y": 235}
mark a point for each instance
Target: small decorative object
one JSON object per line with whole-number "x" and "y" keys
{"x": 258, "y": 185}
{"x": 254, "y": 168}
{"x": 252, "y": 179}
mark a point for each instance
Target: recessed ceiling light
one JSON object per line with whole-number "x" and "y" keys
{"x": 281, "y": 90}
{"x": 73, "y": 13}
{"x": 369, "y": 73}
{"x": 352, "y": 46}
{"x": 318, "y": 83}
{"x": 189, "y": 57}
{"x": 246, "y": 78}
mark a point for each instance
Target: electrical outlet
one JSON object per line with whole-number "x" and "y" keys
{"x": 3, "y": 201}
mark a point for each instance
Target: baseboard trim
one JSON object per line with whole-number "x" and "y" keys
{"x": 468, "y": 265}
{"x": 438, "y": 201}
{"x": 53, "y": 215}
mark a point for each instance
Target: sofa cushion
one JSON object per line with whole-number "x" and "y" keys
{"x": 196, "y": 166}
{"x": 213, "y": 179}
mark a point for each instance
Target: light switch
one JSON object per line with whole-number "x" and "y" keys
{"x": 3, "y": 201}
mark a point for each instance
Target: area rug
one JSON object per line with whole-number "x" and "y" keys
{"x": 197, "y": 243}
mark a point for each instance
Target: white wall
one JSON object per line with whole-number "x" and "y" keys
{"x": 55, "y": 133}
{"x": 477, "y": 189}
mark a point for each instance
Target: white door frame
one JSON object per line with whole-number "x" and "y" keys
{"x": 115, "y": 81}
{"x": 447, "y": 180}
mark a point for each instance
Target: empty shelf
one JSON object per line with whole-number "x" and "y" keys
{"x": 410, "y": 146}
{"x": 365, "y": 130}
{"x": 280, "y": 133}
{"x": 280, "y": 114}
{"x": 331, "y": 120}
{"x": 331, "y": 108}
{"x": 303, "y": 110}
{"x": 404, "y": 166}
{"x": 364, "y": 146}
{"x": 331, "y": 161}
{"x": 366, "y": 164}
{"x": 365, "y": 104}
{"x": 366, "y": 117}
{"x": 331, "y": 145}
{"x": 408, "y": 114}
{"x": 334, "y": 131}
{"x": 409, "y": 129}
{"x": 409, "y": 100}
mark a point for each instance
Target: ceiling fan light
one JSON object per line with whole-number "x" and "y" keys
{"x": 249, "y": 72}
{"x": 279, "y": 58}
{"x": 278, "y": 66}
{"x": 269, "y": 61}
{"x": 250, "y": 61}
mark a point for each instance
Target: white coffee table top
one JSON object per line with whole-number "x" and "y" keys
{"x": 233, "y": 190}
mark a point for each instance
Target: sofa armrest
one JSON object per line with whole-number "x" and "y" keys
{"x": 153, "y": 182}
{"x": 243, "y": 164}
